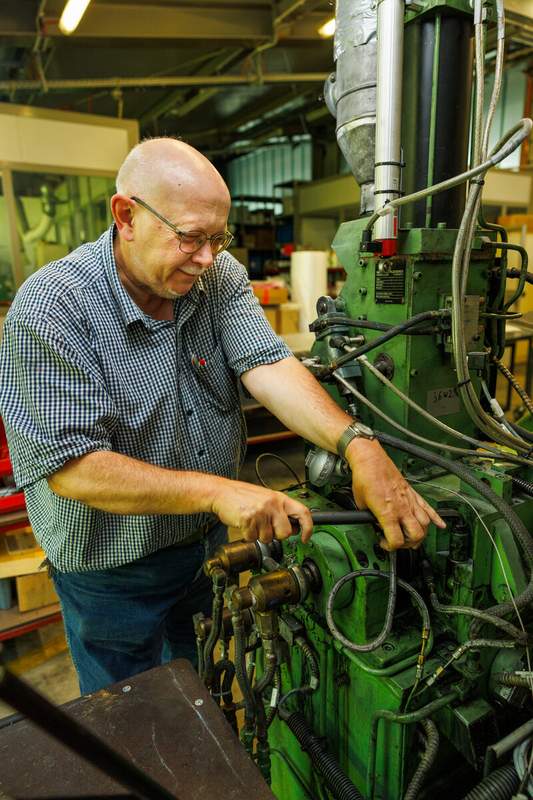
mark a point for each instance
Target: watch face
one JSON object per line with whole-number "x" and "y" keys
{"x": 363, "y": 430}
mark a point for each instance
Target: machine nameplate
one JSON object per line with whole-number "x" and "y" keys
{"x": 443, "y": 401}
{"x": 390, "y": 282}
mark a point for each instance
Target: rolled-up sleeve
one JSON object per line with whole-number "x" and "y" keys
{"x": 53, "y": 401}
{"x": 247, "y": 337}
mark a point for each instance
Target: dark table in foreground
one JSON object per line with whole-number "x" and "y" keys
{"x": 166, "y": 723}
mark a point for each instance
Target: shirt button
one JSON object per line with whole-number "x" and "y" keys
{"x": 201, "y": 452}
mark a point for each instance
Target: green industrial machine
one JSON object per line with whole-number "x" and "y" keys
{"x": 384, "y": 676}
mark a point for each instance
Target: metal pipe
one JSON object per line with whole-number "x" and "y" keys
{"x": 172, "y": 80}
{"x": 388, "y": 118}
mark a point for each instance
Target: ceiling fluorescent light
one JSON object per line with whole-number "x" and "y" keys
{"x": 327, "y": 29}
{"x": 72, "y": 13}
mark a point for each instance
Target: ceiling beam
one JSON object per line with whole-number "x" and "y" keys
{"x": 207, "y": 22}
{"x": 75, "y": 84}
{"x": 519, "y": 10}
{"x": 174, "y": 100}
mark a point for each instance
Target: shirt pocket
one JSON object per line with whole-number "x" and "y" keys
{"x": 216, "y": 378}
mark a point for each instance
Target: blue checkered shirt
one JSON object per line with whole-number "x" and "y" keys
{"x": 84, "y": 369}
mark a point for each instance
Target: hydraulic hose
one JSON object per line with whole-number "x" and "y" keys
{"x": 426, "y": 762}
{"x": 483, "y": 616}
{"x": 374, "y": 573}
{"x": 424, "y": 316}
{"x": 391, "y": 605}
{"x": 516, "y": 525}
{"x": 219, "y": 584}
{"x": 242, "y": 679}
{"x": 516, "y": 273}
{"x": 500, "y": 785}
{"x": 340, "y": 786}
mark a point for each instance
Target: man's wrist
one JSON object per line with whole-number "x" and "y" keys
{"x": 355, "y": 430}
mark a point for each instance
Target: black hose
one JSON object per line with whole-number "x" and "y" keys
{"x": 516, "y": 525}
{"x": 390, "y": 334}
{"x": 527, "y": 435}
{"x": 516, "y": 273}
{"x": 500, "y": 785}
{"x": 340, "y": 786}
{"x": 367, "y": 324}
{"x": 219, "y": 584}
{"x": 426, "y": 762}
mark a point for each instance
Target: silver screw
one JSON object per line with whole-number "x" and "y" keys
{"x": 198, "y": 702}
{"x": 126, "y": 688}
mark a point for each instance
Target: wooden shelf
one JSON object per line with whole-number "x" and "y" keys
{"x": 14, "y": 622}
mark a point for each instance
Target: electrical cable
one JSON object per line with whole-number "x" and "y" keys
{"x": 286, "y": 464}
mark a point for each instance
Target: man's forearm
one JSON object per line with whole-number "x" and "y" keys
{"x": 295, "y": 397}
{"x": 122, "y": 485}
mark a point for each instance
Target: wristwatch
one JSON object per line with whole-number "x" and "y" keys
{"x": 355, "y": 430}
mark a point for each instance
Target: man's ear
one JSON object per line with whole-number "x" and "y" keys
{"x": 122, "y": 210}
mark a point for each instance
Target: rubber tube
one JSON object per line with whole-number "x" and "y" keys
{"x": 340, "y": 786}
{"x": 516, "y": 525}
{"x": 500, "y": 785}
{"x": 426, "y": 762}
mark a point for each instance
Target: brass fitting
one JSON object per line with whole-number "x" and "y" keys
{"x": 234, "y": 557}
{"x": 265, "y": 592}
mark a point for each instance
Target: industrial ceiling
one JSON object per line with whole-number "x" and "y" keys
{"x": 226, "y": 75}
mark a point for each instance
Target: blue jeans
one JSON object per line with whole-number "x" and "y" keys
{"x": 127, "y": 619}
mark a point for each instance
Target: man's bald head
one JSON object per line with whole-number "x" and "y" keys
{"x": 166, "y": 170}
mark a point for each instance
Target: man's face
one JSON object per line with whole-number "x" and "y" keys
{"x": 155, "y": 260}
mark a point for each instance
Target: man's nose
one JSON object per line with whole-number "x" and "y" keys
{"x": 204, "y": 256}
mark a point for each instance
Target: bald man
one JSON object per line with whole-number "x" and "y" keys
{"x": 119, "y": 368}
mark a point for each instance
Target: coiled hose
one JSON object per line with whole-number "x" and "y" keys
{"x": 521, "y": 392}
{"x": 521, "y": 483}
{"x": 340, "y": 786}
{"x": 514, "y": 679}
{"x": 389, "y": 615}
{"x": 516, "y": 525}
{"x": 426, "y": 762}
{"x": 500, "y": 785}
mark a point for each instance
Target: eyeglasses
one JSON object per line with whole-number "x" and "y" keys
{"x": 191, "y": 241}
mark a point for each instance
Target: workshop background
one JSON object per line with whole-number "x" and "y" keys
{"x": 243, "y": 82}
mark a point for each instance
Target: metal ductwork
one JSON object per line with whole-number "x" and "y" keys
{"x": 350, "y": 92}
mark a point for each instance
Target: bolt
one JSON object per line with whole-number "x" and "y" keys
{"x": 362, "y": 262}
{"x": 417, "y": 276}
{"x": 363, "y": 290}
{"x": 413, "y": 373}
{"x": 198, "y": 702}
{"x": 126, "y": 688}
{"x": 388, "y": 647}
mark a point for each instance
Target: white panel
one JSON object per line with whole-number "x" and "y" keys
{"x": 72, "y": 145}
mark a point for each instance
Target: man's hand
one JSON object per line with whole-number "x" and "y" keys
{"x": 259, "y": 513}
{"x": 379, "y": 486}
